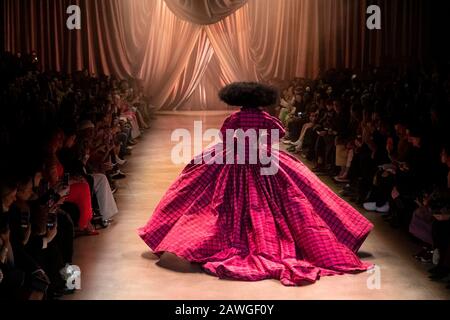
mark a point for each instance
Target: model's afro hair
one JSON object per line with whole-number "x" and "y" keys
{"x": 249, "y": 95}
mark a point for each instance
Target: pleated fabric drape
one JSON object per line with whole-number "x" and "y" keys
{"x": 204, "y": 12}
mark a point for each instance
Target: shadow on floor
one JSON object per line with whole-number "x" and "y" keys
{"x": 364, "y": 255}
{"x": 172, "y": 262}
{"x": 149, "y": 256}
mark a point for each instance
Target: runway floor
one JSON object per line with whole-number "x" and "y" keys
{"x": 117, "y": 265}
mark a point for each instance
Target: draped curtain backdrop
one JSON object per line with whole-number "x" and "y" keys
{"x": 185, "y": 50}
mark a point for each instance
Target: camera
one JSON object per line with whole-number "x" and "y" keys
{"x": 51, "y": 220}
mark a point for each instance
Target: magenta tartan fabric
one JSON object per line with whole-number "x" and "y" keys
{"x": 242, "y": 225}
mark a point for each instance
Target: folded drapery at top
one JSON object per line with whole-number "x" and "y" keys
{"x": 204, "y": 12}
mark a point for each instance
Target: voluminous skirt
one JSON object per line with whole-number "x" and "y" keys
{"x": 242, "y": 225}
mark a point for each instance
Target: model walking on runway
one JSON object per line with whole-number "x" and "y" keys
{"x": 241, "y": 222}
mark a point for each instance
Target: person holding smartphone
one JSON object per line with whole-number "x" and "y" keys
{"x": 18, "y": 278}
{"x": 21, "y": 231}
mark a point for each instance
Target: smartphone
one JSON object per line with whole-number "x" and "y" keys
{"x": 51, "y": 221}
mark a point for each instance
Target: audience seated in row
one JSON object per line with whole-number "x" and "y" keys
{"x": 384, "y": 136}
{"x": 64, "y": 139}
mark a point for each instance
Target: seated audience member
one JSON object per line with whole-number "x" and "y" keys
{"x": 411, "y": 179}
{"x": 297, "y": 146}
{"x": 49, "y": 201}
{"x": 325, "y": 141}
{"x": 95, "y": 153}
{"x": 46, "y": 258}
{"x": 79, "y": 191}
{"x": 441, "y": 225}
{"x": 12, "y": 279}
{"x": 341, "y": 132}
{"x": 74, "y": 160}
{"x": 431, "y": 203}
{"x": 21, "y": 277}
{"x": 133, "y": 100}
{"x": 286, "y": 105}
{"x": 296, "y": 118}
{"x": 379, "y": 194}
{"x": 127, "y": 114}
{"x": 345, "y": 147}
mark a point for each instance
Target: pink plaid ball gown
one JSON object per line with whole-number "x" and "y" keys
{"x": 239, "y": 224}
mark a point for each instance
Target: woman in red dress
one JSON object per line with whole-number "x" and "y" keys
{"x": 241, "y": 224}
{"x": 79, "y": 194}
